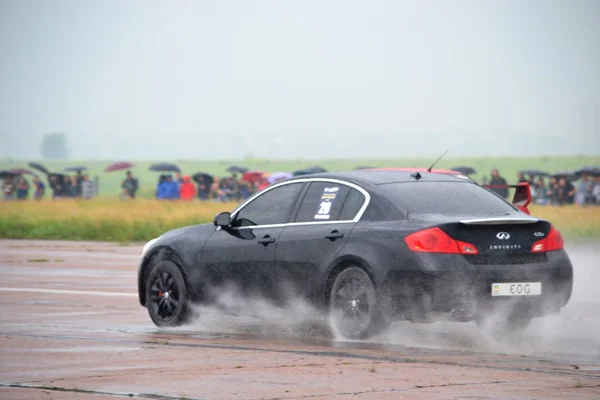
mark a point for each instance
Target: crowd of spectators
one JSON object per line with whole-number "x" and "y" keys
{"x": 60, "y": 186}
{"x": 183, "y": 187}
{"x": 583, "y": 189}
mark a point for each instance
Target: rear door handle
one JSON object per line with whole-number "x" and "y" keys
{"x": 266, "y": 240}
{"x": 335, "y": 234}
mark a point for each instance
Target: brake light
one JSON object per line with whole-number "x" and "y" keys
{"x": 554, "y": 241}
{"x": 435, "y": 240}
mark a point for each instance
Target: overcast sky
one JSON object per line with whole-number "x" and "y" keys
{"x": 313, "y": 79}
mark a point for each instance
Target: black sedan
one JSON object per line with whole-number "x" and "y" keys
{"x": 367, "y": 247}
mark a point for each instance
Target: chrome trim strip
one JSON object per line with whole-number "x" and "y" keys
{"x": 499, "y": 221}
{"x": 356, "y": 218}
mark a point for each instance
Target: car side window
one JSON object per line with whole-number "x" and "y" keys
{"x": 322, "y": 202}
{"x": 271, "y": 207}
{"x": 354, "y": 201}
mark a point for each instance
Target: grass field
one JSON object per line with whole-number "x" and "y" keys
{"x": 141, "y": 220}
{"x": 109, "y": 183}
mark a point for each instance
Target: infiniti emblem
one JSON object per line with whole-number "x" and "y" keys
{"x": 503, "y": 235}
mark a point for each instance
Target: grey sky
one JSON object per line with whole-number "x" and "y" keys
{"x": 224, "y": 79}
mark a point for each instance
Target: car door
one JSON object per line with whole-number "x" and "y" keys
{"x": 243, "y": 256}
{"x": 319, "y": 230}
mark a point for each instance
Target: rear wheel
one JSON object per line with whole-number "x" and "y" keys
{"x": 354, "y": 311}
{"x": 166, "y": 295}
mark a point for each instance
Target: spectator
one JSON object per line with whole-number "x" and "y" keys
{"x": 162, "y": 189}
{"x": 498, "y": 184}
{"x": 584, "y": 191}
{"x": 74, "y": 187}
{"x": 8, "y": 188}
{"x": 541, "y": 191}
{"x": 187, "y": 190}
{"x": 565, "y": 192}
{"x": 56, "y": 183}
{"x": 552, "y": 192}
{"x": 521, "y": 178}
{"x": 129, "y": 186}
{"x": 596, "y": 190}
{"x": 22, "y": 188}
{"x": 172, "y": 188}
{"x": 40, "y": 189}
{"x": 88, "y": 188}
{"x": 203, "y": 191}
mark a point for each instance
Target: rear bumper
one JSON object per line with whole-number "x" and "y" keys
{"x": 440, "y": 283}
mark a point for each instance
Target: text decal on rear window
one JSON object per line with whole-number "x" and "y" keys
{"x": 327, "y": 199}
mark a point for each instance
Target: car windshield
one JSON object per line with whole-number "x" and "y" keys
{"x": 445, "y": 198}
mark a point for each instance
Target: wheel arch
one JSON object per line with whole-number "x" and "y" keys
{"x": 163, "y": 253}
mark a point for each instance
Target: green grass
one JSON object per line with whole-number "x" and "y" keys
{"x": 144, "y": 219}
{"x": 508, "y": 166}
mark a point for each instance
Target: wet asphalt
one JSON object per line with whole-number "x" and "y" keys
{"x": 71, "y": 327}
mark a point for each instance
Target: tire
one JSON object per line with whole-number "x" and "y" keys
{"x": 353, "y": 306}
{"x": 166, "y": 295}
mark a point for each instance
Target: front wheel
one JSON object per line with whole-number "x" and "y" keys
{"x": 166, "y": 295}
{"x": 354, "y": 311}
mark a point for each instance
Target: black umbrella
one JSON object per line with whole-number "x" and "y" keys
{"x": 203, "y": 178}
{"x": 588, "y": 170}
{"x": 568, "y": 175}
{"x": 39, "y": 167}
{"x": 302, "y": 172}
{"x": 465, "y": 170}
{"x": 236, "y": 168}
{"x": 315, "y": 169}
{"x": 164, "y": 167}
{"x": 7, "y": 174}
{"x": 534, "y": 172}
{"x": 78, "y": 168}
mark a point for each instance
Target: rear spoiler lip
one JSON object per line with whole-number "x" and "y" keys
{"x": 499, "y": 221}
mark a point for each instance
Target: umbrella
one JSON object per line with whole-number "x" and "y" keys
{"x": 301, "y": 172}
{"x": 39, "y": 167}
{"x": 315, "y": 169}
{"x": 568, "y": 175}
{"x": 201, "y": 177}
{"x": 164, "y": 167}
{"x": 118, "y": 166}
{"x": 7, "y": 174}
{"x": 589, "y": 170}
{"x": 252, "y": 176}
{"x": 534, "y": 172}
{"x": 465, "y": 170}
{"x": 278, "y": 176}
{"x": 236, "y": 168}
{"x": 22, "y": 171}
{"x": 76, "y": 169}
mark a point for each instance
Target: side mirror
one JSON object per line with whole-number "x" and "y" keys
{"x": 222, "y": 219}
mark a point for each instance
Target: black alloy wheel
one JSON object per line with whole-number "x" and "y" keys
{"x": 354, "y": 312}
{"x": 166, "y": 295}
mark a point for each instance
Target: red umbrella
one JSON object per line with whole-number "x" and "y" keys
{"x": 22, "y": 171}
{"x": 252, "y": 176}
{"x": 119, "y": 166}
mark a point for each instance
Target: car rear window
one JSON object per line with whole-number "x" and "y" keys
{"x": 444, "y": 198}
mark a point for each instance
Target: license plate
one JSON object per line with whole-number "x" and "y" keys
{"x": 517, "y": 289}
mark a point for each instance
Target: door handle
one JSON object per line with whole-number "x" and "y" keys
{"x": 266, "y": 240}
{"x": 334, "y": 234}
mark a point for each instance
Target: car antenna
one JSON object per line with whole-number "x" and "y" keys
{"x": 436, "y": 161}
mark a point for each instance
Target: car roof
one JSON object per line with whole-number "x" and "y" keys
{"x": 434, "y": 170}
{"x": 389, "y": 175}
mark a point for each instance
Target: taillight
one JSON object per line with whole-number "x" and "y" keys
{"x": 435, "y": 240}
{"x": 554, "y": 241}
